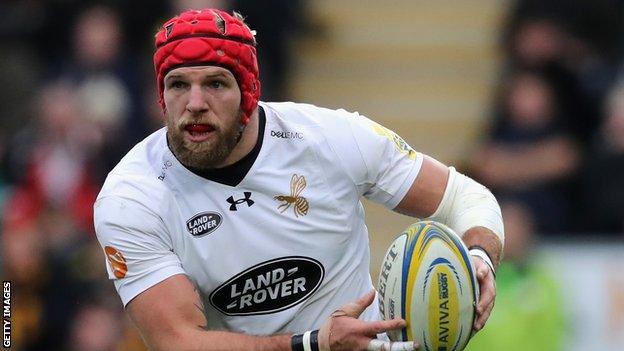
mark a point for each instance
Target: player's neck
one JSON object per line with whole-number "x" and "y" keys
{"x": 246, "y": 143}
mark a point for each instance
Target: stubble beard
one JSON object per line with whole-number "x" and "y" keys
{"x": 207, "y": 154}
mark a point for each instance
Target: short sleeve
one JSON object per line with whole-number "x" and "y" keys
{"x": 382, "y": 164}
{"x": 138, "y": 249}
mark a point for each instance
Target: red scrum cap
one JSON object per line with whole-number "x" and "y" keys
{"x": 210, "y": 37}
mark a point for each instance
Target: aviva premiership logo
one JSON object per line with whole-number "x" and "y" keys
{"x": 445, "y": 287}
{"x": 399, "y": 143}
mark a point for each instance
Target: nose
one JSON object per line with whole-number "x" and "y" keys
{"x": 197, "y": 103}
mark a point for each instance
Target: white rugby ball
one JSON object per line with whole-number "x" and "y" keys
{"x": 427, "y": 278}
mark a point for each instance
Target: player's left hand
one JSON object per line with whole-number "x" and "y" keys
{"x": 487, "y": 292}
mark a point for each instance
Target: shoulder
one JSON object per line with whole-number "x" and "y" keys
{"x": 132, "y": 205}
{"x": 308, "y": 114}
{"x": 135, "y": 177}
{"x": 325, "y": 125}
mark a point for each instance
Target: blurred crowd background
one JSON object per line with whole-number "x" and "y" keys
{"x": 77, "y": 91}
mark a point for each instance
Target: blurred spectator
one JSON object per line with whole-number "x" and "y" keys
{"x": 96, "y": 328}
{"x": 183, "y": 5}
{"x": 48, "y": 161}
{"x": 597, "y": 22}
{"x": 19, "y": 21}
{"x": 528, "y": 314}
{"x": 24, "y": 265}
{"x": 575, "y": 44}
{"x": 37, "y": 36}
{"x": 276, "y": 22}
{"x": 529, "y": 156}
{"x": 47, "y": 218}
{"x": 54, "y": 19}
{"x": 543, "y": 44}
{"x": 108, "y": 79}
{"x": 603, "y": 176}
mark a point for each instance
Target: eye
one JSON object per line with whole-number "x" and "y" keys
{"x": 217, "y": 84}
{"x": 176, "y": 84}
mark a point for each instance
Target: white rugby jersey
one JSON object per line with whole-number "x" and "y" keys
{"x": 280, "y": 250}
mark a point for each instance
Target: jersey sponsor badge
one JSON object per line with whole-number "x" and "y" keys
{"x": 286, "y": 134}
{"x": 269, "y": 287}
{"x": 204, "y": 223}
{"x": 117, "y": 261}
{"x": 400, "y": 144}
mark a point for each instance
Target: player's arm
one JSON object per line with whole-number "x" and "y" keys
{"x": 152, "y": 283}
{"x": 170, "y": 316}
{"x": 442, "y": 194}
{"x": 385, "y": 169}
{"x": 167, "y": 310}
{"x": 468, "y": 207}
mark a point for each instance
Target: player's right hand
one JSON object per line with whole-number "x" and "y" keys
{"x": 487, "y": 294}
{"x": 344, "y": 331}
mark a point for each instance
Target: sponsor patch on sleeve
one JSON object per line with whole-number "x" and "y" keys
{"x": 399, "y": 144}
{"x": 117, "y": 262}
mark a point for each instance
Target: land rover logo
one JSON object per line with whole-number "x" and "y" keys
{"x": 203, "y": 223}
{"x": 269, "y": 287}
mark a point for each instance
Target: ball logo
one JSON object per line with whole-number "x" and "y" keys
{"x": 203, "y": 223}
{"x": 117, "y": 261}
{"x": 443, "y": 292}
{"x": 389, "y": 261}
{"x": 269, "y": 287}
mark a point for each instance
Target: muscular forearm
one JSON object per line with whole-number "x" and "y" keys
{"x": 444, "y": 195}
{"x": 170, "y": 316}
{"x": 202, "y": 340}
{"x": 485, "y": 238}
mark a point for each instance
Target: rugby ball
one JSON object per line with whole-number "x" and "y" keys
{"x": 427, "y": 278}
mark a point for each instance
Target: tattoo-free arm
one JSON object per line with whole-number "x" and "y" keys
{"x": 170, "y": 316}
{"x": 470, "y": 200}
{"x": 424, "y": 197}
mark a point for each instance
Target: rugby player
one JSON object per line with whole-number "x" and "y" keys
{"x": 239, "y": 226}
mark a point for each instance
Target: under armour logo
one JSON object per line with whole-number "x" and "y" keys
{"x": 246, "y": 199}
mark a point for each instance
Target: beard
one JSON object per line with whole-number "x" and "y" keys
{"x": 209, "y": 153}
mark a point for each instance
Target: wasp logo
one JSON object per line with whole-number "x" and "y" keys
{"x": 301, "y": 206}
